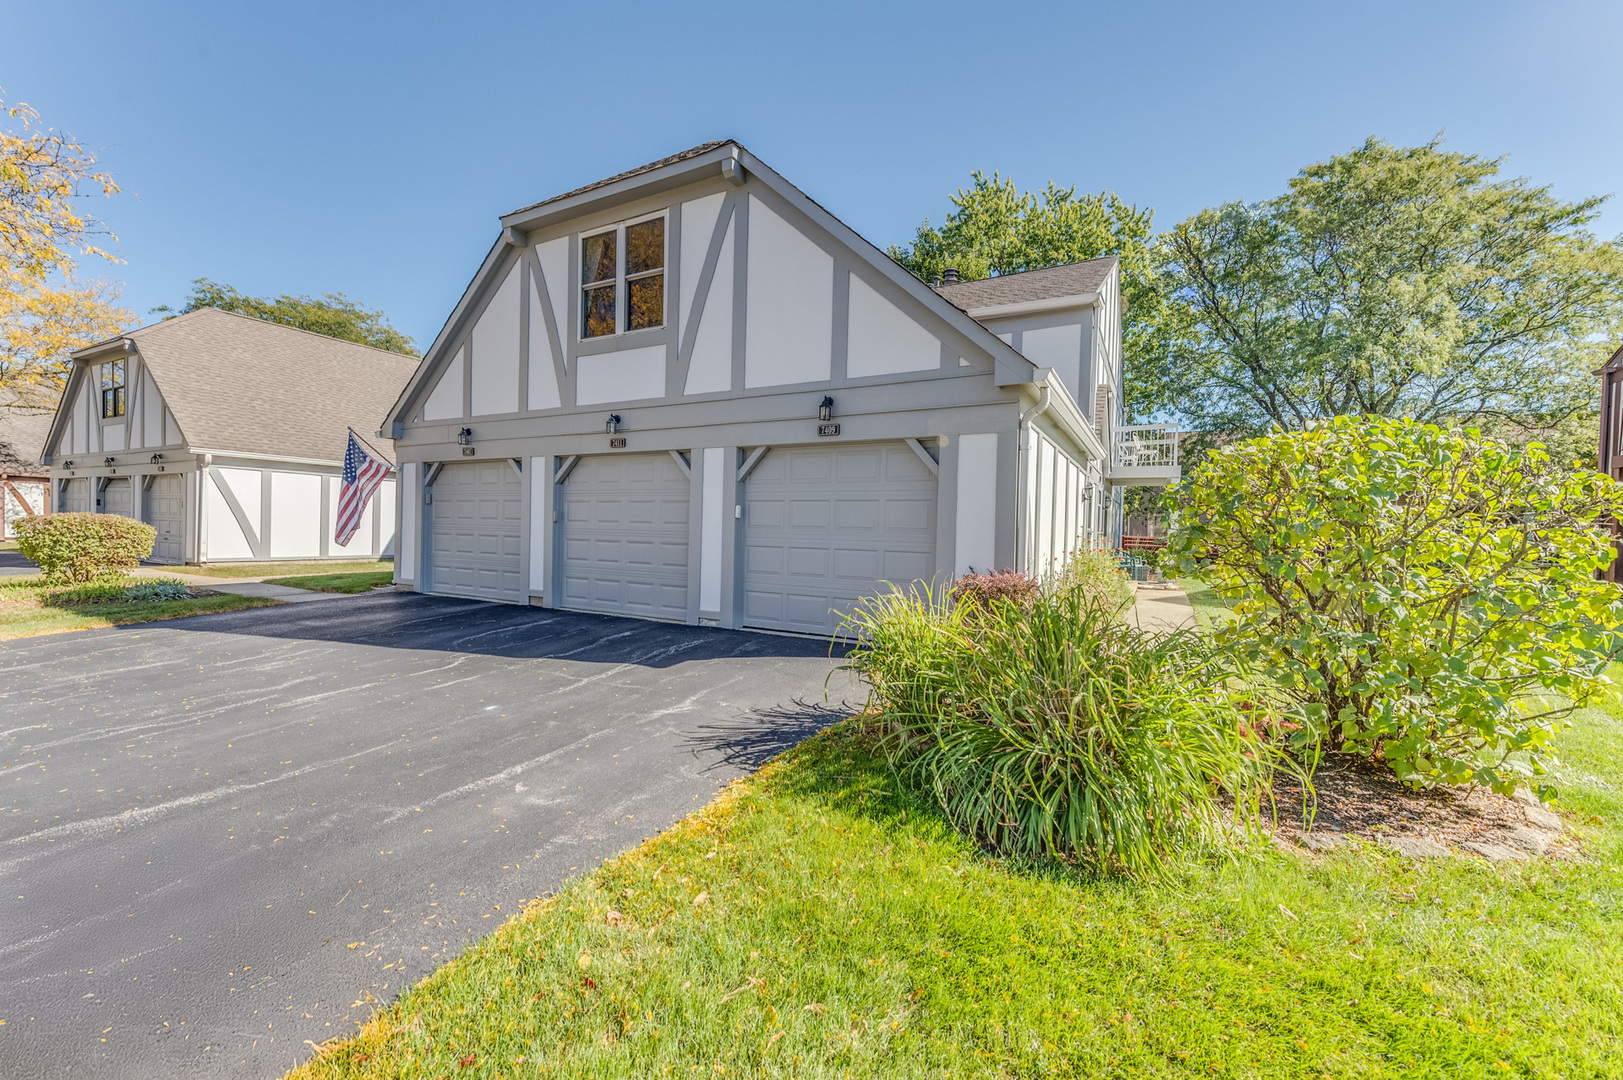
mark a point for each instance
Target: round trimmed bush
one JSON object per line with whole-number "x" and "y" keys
{"x": 81, "y": 547}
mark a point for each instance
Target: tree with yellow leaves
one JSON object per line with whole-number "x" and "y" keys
{"x": 46, "y": 310}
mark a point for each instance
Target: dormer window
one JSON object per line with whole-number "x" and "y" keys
{"x": 112, "y": 389}
{"x": 622, "y": 278}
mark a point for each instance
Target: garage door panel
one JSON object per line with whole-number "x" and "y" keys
{"x": 476, "y": 531}
{"x": 165, "y": 510}
{"x": 625, "y": 536}
{"x": 824, "y": 526}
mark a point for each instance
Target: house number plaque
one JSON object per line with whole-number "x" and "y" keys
{"x": 618, "y": 442}
{"x": 828, "y": 429}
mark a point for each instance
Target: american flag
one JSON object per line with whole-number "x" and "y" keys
{"x": 362, "y": 475}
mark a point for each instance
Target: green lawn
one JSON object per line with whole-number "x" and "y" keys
{"x": 1209, "y": 608}
{"x": 24, "y": 612}
{"x": 341, "y": 583}
{"x": 288, "y": 569}
{"x": 816, "y": 921}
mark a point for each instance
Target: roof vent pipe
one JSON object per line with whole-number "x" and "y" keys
{"x": 949, "y": 276}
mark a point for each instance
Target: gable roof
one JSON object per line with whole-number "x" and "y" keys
{"x": 1049, "y": 283}
{"x": 241, "y": 385}
{"x": 686, "y": 167}
{"x": 22, "y": 435}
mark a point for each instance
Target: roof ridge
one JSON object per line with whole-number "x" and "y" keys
{"x": 1033, "y": 270}
{"x": 413, "y": 358}
{"x": 657, "y": 163}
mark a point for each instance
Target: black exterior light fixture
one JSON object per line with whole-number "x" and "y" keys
{"x": 611, "y": 426}
{"x": 67, "y": 464}
{"x": 464, "y": 437}
{"x": 156, "y": 458}
{"x": 109, "y": 461}
{"x": 825, "y": 411}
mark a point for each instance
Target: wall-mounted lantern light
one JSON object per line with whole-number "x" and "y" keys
{"x": 109, "y": 461}
{"x": 67, "y": 464}
{"x": 611, "y": 426}
{"x": 464, "y": 437}
{"x": 825, "y": 411}
{"x": 156, "y": 458}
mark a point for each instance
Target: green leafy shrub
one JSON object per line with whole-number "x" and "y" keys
{"x": 81, "y": 547}
{"x": 158, "y": 590}
{"x": 1418, "y": 592}
{"x": 1050, "y": 727}
{"x": 1095, "y": 573}
{"x": 108, "y": 589}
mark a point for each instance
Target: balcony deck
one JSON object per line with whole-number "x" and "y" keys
{"x": 1145, "y": 455}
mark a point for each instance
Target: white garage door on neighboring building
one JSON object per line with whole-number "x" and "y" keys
{"x": 476, "y": 531}
{"x": 118, "y": 497}
{"x": 825, "y": 525}
{"x": 625, "y": 536}
{"x": 165, "y": 508}
{"x": 76, "y": 496}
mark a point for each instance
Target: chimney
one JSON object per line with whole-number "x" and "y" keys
{"x": 949, "y": 276}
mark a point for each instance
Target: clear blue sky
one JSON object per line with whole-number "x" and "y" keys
{"x": 369, "y": 148}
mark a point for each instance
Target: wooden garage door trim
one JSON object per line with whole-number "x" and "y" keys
{"x": 624, "y": 536}
{"x": 825, "y": 524}
{"x": 476, "y": 531}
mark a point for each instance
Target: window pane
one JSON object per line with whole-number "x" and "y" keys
{"x": 597, "y": 312}
{"x": 597, "y": 258}
{"x": 645, "y": 246}
{"x": 645, "y": 302}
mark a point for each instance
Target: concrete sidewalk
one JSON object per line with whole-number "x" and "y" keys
{"x": 1162, "y": 609}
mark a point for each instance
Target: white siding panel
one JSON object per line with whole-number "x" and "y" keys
{"x": 445, "y": 401}
{"x": 405, "y": 565}
{"x": 540, "y": 473}
{"x": 976, "y": 542}
{"x": 698, "y": 226}
{"x": 543, "y": 393}
{"x": 64, "y": 445}
{"x": 112, "y": 436}
{"x": 360, "y": 545}
{"x": 789, "y": 327}
{"x": 385, "y": 498}
{"x": 710, "y": 366}
{"x": 711, "y": 523}
{"x": 295, "y": 526}
{"x": 884, "y": 341}
{"x": 554, "y": 259}
{"x": 629, "y": 375}
{"x": 1045, "y": 508}
{"x": 79, "y": 429}
{"x": 171, "y": 430}
{"x": 1058, "y": 347}
{"x": 495, "y": 351}
{"x": 225, "y": 537}
{"x": 151, "y": 412}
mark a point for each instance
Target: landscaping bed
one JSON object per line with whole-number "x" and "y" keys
{"x": 31, "y": 605}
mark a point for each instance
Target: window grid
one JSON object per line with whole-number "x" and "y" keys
{"x": 622, "y": 278}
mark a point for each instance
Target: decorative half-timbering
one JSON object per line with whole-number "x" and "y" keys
{"x": 688, "y": 392}
{"x": 226, "y": 434}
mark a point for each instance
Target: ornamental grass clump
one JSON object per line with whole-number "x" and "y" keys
{"x": 1425, "y": 597}
{"x": 1049, "y": 727}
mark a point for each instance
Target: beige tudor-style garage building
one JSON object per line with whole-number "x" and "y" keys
{"x": 226, "y": 434}
{"x": 688, "y": 392}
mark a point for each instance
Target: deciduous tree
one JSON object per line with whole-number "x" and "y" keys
{"x": 333, "y": 314}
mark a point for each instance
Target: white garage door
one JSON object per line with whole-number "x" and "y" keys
{"x": 116, "y": 498}
{"x": 825, "y": 525}
{"x": 165, "y": 511}
{"x": 625, "y": 536}
{"x": 76, "y": 496}
{"x": 476, "y": 531}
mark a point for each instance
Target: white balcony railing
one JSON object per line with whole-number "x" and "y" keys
{"x": 1145, "y": 446}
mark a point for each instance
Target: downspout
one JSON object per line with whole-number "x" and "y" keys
{"x": 1023, "y": 452}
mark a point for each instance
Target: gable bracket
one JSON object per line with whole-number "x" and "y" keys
{"x": 433, "y": 471}
{"x": 565, "y": 467}
{"x": 682, "y": 463}
{"x": 750, "y": 462}
{"x": 925, "y": 456}
{"x": 518, "y": 466}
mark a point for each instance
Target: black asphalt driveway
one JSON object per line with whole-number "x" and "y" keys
{"x": 227, "y": 837}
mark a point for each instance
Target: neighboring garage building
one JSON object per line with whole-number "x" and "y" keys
{"x": 24, "y": 484}
{"x": 690, "y": 393}
{"x": 226, "y": 434}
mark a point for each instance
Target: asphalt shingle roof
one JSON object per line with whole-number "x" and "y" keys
{"x": 22, "y": 436}
{"x": 1049, "y": 283}
{"x": 691, "y": 152}
{"x": 239, "y": 384}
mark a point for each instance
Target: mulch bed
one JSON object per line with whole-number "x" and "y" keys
{"x": 1358, "y": 798}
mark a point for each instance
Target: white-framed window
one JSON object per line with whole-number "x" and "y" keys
{"x": 112, "y": 389}
{"x": 622, "y": 278}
